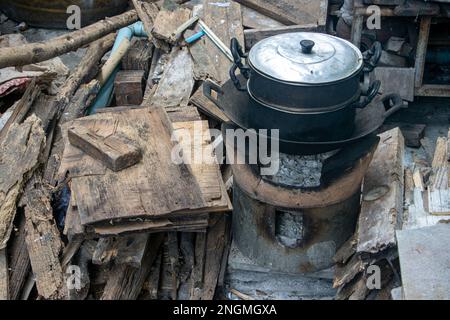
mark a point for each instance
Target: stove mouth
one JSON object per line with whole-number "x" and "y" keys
{"x": 299, "y": 171}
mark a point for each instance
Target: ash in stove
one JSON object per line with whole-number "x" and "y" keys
{"x": 300, "y": 171}
{"x": 289, "y": 228}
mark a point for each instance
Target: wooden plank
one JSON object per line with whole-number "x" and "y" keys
{"x": 439, "y": 189}
{"x": 153, "y": 188}
{"x": 215, "y": 246}
{"x": 224, "y": 18}
{"x": 115, "y": 151}
{"x": 198, "y": 272}
{"x": 254, "y": 20}
{"x": 177, "y": 81}
{"x": 194, "y": 136}
{"x": 291, "y": 11}
{"x": 19, "y": 261}
{"x": 167, "y": 22}
{"x": 253, "y": 36}
{"x": 125, "y": 282}
{"x": 4, "y": 275}
{"x": 379, "y": 214}
{"x": 20, "y": 147}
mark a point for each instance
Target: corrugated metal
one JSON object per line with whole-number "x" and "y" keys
{"x": 52, "y": 14}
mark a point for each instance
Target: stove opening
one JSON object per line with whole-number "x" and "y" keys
{"x": 290, "y": 228}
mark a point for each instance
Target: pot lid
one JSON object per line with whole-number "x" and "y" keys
{"x": 306, "y": 57}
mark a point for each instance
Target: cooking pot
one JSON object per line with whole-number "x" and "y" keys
{"x": 306, "y": 70}
{"x": 302, "y": 133}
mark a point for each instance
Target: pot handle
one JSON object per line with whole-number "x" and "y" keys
{"x": 371, "y": 94}
{"x": 208, "y": 88}
{"x": 238, "y": 54}
{"x": 392, "y": 103}
{"x": 372, "y": 57}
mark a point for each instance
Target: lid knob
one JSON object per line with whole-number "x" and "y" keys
{"x": 307, "y": 46}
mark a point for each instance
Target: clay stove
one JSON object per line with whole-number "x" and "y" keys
{"x": 288, "y": 227}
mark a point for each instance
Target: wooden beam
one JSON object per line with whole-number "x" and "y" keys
{"x": 382, "y": 204}
{"x": 115, "y": 151}
{"x": 125, "y": 282}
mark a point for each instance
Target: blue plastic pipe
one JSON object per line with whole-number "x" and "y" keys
{"x": 104, "y": 96}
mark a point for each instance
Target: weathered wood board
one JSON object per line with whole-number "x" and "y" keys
{"x": 439, "y": 189}
{"x": 153, "y": 188}
{"x": 167, "y": 22}
{"x": 255, "y": 20}
{"x": 224, "y": 18}
{"x": 380, "y": 213}
{"x": 291, "y": 11}
{"x": 177, "y": 81}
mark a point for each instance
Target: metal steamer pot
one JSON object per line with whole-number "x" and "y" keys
{"x": 306, "y": 72}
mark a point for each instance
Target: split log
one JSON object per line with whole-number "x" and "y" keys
{"x": 87, "y": 69}
{"x": 19, "y": 158}
{"x": 125, "y": 282}
{"x": 77, "y": 106}
{"x": 21, "y": 108}
{"x": 43, "y": 241}
{"x": 41, "y": 51}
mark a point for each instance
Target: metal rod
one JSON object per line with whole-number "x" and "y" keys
{"x": 177, "y": 33}
{"x": 215, "y": 39}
